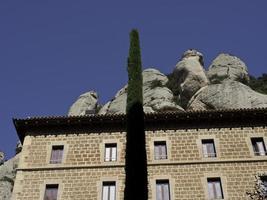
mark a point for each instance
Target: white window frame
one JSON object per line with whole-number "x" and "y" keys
{"x": 111, "y": 152}
{"x": 120, "y": 150}
{"x": 108, "y": 190}
{"x": 104, "y": 179}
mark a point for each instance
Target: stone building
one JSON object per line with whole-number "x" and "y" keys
{"x": 191, "y": 155}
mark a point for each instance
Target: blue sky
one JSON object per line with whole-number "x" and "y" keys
{"x": 52, "y": 51}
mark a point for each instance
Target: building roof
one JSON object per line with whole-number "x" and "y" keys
{"x": 153, "y": 121}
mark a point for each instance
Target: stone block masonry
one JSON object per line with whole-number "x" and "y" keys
{"x": 83, "y": 169}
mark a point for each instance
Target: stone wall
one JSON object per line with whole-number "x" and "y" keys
{"x": 83, "y": 169}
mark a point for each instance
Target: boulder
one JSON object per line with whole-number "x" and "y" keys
{"x": 157, "y": 97}
{"x": 7, "y": 177}
{"x": 227, "y": 67}
{"x": 86, "y": 103}
{"x": 191, "y": 75}
{"x": 227, "y": 95}
{"x": 117, "y": 104}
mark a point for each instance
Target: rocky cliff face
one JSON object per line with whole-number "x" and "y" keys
{"x": 223, "y": 86}
{"x": 7, "y": 177}
{"x": 157, "y": 97}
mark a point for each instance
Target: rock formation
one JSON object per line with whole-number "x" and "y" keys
{"x": 87, "y": 103}
{"x": 221, "y": 87}
{"x": 191, "y": 75}
{"x": 227, "y": 75}
{"x": 157, "y": 97}
{"x": 227, "y": 67}
{"x": 7, "y": 176}
{"x": 227, "y": 95}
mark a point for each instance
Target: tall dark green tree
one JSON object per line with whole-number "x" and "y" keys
{"x": 136, "y": 184}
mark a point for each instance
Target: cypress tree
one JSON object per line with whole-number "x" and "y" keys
{"x": 135, "y": 159}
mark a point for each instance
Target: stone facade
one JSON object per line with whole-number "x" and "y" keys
{"x": 83, "y": 169}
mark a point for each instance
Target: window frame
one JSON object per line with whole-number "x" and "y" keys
{"x": 216, "y": 146}
{"x": 53, "y": 151}
{"x": 162, "y": 183}
{"x": 254, "y": 141}
{"x": 64, "y": 155}
{"x": 250, "y": 146}
{"x": 103, "y": 151}
{"x": 214, "y": 181}
{"x": 208, "y": 141}
{"x": 118, "y": 184}
{"x": 160, "y": 144}
{"x": 151, "y": 149}
{"x": 109, "y": 185}
{"x": 263, "y": 182}
{"x": 153, "y": 183}
{"x": 49, "y": 186}
{"x": 111, "y": 147}
{"x": 209, "y": 175}
{"x": 51, "y": 182}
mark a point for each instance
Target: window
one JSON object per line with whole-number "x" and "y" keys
{"x": 208, "y": 148}
{"x": 264, "y": 184}
{"x": 109, "y": 190}
{"x": 258, "y": 146}
{"x": 215, "y": 188}
{"x": 162, "y": 190}
{"x": 56, "y": 154}
{"x": 110, "y": 152}
{"x": 160, "y": 150}
{"x": 51, "y": 192}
